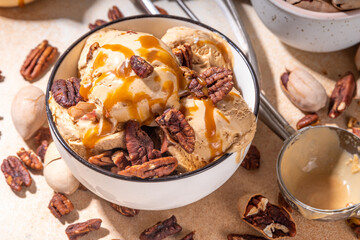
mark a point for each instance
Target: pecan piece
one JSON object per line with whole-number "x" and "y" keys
{"x": 189, "y": 236}
{"x": 98, "y": 23}
{"x": 38, "y": 60}
{"x": 342, "y": 95}
{"x": 354, "y": 223}
{"x": 120, "y": 159}
{"x": 309, "y": 119}
{"x": 174, "y": 124}
{"x": 353, "y": 122}
{"x": 271, "y": 220}
{"x": 15, "y": 173}
{"x": 184, "y": 54}
{"x": 155, "y": 168}
{"x": 60, "y": 205}
{"x": 244, "y": 237}
{"x": 161, "y": 230}
{"x": 30, "y": 159}
{"x": 41, "y": 150}
{"x": 114, "y": 13}
{"x": 161, "y": 10}
{"x": 81, "y": 109}
{"x": 2, "y": 78}
{"x": 66, "y": 92}
{"x": 77, "y": 230}
{"x": 102, "y": 159}
{"x": 125, "y": 211}
{"x": 252, "y": 159}
{"x": 138, "y": 143}
{"x": 42, "y": 134}
{"x": 140, "y": 66}
{"x": 283, "y": 203}
{"x": 92, "y": 49}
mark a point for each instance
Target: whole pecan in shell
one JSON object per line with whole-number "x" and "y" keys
{"x": 30, "y": 159}
{"x": 38, "y": 60}
{"x": 307, "y": 120}
{"x": 252, "y": 159}
{"x": 77, "y": 230}
{"x": 184, "y": 55}
{"x": 125, "y": 211}
{"x": 342, "y": 95}
{"x": 140, "y": 66}
{"x": 15, "y": 173}
{"x": 98, "y": 23}
{"x": 60, "y": 205}
{"x": 244, "y": 237}
{"x": 66, "y": 92}
{"x": 114, "y": 13}
{"x": 154, "y": 168}
{"x": 161, "y": 230}
{"x": 189, "y": 236}
{"x": 41, "y": 150}
{"x": 174, "y": 124}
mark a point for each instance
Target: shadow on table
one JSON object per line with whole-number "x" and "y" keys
{"x": 49, "y": 9}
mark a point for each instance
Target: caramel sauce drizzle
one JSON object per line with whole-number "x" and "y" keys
{"x": 220, "y": 46}
{"x": 93, "y": 135}
{"x": 215, "y": 143}
{"x": 21, "y": 3}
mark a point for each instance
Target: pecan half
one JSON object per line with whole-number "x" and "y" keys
{"x": 252, "y": 159}
{"x": 125, "y": 211}
{"x": 244, "y": 237}
{"x": 60, "y": 205}
{"x": 30, "y": 159}
{"x": 114, "y": 13}
{"x": 92, "y": 49}
{"x": 309, "y": 119}
{"x": 138, "y": 143}
{"x": 66, "y": 92}
{"x": 283, "y": 203}
{"x": 2, "y": 78}
{"x": 342, "y": 95}
{"x": 354, "y": 223}
{"x": 98, "y": 23}
{"x": 161, "y": 10}
{"x": 38, "y": 60}
{"x": 140, "y": 66}
{"x": 189, "y": 236}
{"x": 184, "y": 54}
{"x": 271, "y": 220}
{"x": 174, "y": 124}
{"x": 161, "y": 230}
{"x": 77, "y": 230}
{"x": 15, "y": 173}
{"x": 154, "y": 168}
{"x": 41, "y": 150}
{"x": 42, "y": 134}
{"x": 102, "y": 159}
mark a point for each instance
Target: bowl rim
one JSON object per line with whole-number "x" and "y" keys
{"x": 342, "y": 15}
{"x": 134, "y": 179}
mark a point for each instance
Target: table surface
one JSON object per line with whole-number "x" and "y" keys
{"x": 25, "y": 215}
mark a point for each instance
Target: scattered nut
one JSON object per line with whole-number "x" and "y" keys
{"x": 15, "y": 173}
{"x": 346, "y": 4}
{"x": 60, "y": 205}
{"x": 57, "y": 174}
{"x": 30, "y": 159}
{"x": 98, "y": 23}
{"x": 28, "y": 111}
{"x": 354, "y": 223}
{"x": 43, "y": 134}
{"x": 189, "y": 236}
{"x": 244, "y": 237}
{"x": 125, "y": 211}
{"x": 283, "y": 203}
{"x": 309, "y": 119}
{"x": 77, "y": 230}
{"x": 252, "y": 159}
{"x": 2, "y": 78}
{"x": 41, "y": 150}
{"x": 161, "y": 230}
{"x": 303, "y": 90}
{"x": 114, "y": 13}
{"x": 161, "y": 10}
{"x": 342, "y": 95}
{"x": 140, "y": 66}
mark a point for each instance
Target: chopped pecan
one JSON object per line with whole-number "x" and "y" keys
{"x": 342, "y": 95}
{"x": 154, "y": 168}
{"x": 81, "y": 109}
{"x": 174, "y": 124}
{"x": 161, "y": 230}
{"x": 244, "y": 237}
{"x": 309, "y": 119}
{"x": 252, "y": 159}
{"x": 30, "y": 159}
{"x": 161, "y": 10}
{"x": 15, "y": 173}
{"x": 120, "y": 159}
{"x": 42, "y": 134}
{"x": 38, "y": 60}
{"x": 92, "y": 49}
{"x": 66, "y": 92}
{"x": 283, "y": 203}
{"x": 184, "y": 54}
{"x": 356, "y": 131}
{"x": 60, "y": 205}
{"x": 189, "y": 236}
{"x": 98, "y": 23}
{"x": 2, "y": 78}
{"x": 114, "y": 13}
{"x": 102, "y": 159}
{"x": 271, "y": 220}
{"x": 353, "y": 122}
{"x": 41, "y": 150}
{"x": 125, "y": 211}
{"x": 138, "y": 143}
{"x": 354, "y": 223}
{"x": 77, "y": 230}
{"x": 140, "y": 66}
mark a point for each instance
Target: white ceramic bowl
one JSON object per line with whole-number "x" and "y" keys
{"x": 14, "y": 3}
{"x": 161, "y": 193}
{"x": 309, "y": 30}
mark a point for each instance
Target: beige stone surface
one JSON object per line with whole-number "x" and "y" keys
{"x": 25, "y": 216}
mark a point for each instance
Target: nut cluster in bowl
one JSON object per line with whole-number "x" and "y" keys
{"x": 146, "y": 107}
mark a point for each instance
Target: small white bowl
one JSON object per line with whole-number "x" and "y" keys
{"x": 166, "y": 192}
{"x": 309, "y": 30}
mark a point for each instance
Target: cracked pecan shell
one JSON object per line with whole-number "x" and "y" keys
{"x": 140, "y": 66}
{"x": 66, "y": 92}
{"x": 38, "y": 60}
{"x": 161, "y": 230}
{"x": 15, "y": 173}
{"x": 174, "y": 124}
{"x": 114, "y": 13}
{"x": 30, "y": 159}
{"x": 60, "y": 205}
{"x": 154, "y": 168}
{"x": 183, "y": 54}
{"x": 125, "y": 211}
{"x": 77, "y": 230}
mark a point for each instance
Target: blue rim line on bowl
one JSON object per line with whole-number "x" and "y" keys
{"x": 114, "y": 175}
